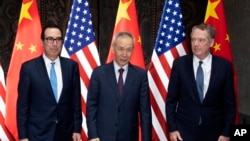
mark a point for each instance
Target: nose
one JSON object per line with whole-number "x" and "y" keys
{"x": 124, "y": 53}
{"x": 55, "y": 42}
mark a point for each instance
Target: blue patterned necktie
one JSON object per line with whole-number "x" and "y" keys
{"x": 120, "y": 81}
{"x": 200, "y": 80}
{"x": 53, "y": 80}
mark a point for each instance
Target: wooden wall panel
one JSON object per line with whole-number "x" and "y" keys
{"x": 9, "y": 14}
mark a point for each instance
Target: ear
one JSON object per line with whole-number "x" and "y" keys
{"x": 113, "y": 48}
{"x": 211, "y": 42}
{"x": 42, "y": 42}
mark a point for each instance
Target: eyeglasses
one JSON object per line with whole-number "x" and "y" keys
{"x": 51, "y": 40}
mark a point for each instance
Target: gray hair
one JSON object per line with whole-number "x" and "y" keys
{"x": 210, "y": 29}
{"x": 123, "y": 34}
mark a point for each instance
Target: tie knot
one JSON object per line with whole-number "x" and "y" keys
{"x": 121, "y": 70}
{"x": 200, "y": 62}
{"x": 52, "y": 63}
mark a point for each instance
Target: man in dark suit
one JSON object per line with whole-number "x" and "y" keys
{"x": 45, "y": 112}
{"x": 113, "y": 114}
{"x": 201, "y": 111}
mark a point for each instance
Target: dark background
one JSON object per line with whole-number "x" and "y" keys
{"x": 149, "y": 14}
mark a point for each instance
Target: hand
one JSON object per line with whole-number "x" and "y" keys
{"x": 26, "y": 139}
{"x": 95, "y": 139}
{"x": 76, "y": 137}
{"x": 175, "y": 136}
{"x": 223, "y": 138}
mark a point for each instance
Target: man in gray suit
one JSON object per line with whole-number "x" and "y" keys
{"x": 45, "y": 112}
{"x": 114, "y": 114}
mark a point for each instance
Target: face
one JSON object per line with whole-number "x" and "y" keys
{"x": 123, "y": 50}
{"x": 52, "y": 43}
{"x": 201, "y": 43}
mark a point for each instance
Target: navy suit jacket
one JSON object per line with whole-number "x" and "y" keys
{"x": 112, "y": 117}
{"x": 38, "y": 113}
{"x": 184, "y": 108}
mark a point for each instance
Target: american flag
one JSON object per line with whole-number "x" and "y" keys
{"x": 170, "y": 44}
{"x": 79, "y": 45}
{"x": 4, "y": 132}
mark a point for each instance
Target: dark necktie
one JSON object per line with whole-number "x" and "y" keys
{"x": 53, "y": 79}
{"x": 120, "y": 80}
{"x": 200, "y": 80}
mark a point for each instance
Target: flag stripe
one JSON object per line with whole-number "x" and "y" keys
{"x": 84, "y": 126}
{"x": 170, "y": 44}
{"x": 182, "y": 48}
{"x": 160, "y": 81}
{"x": 79, "y": 45}
{"x": 154, "y": 137}
{"x": 83, "y": 71}
{"x": 3, "y": 136}
{"x": 158, "y": 127}
{"x": 4, "y": 132}
{"x": 2, "y": 106}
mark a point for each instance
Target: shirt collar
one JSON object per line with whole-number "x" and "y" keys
{"x": 48, "y": 61}
{"x": 117, "y": 67}
{"x": 205, "y": 60}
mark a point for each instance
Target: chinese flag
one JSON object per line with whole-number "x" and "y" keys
{"x": 126, "y": 20}
{"x": 215, "y": 16}
{"x": 27, "y": 46}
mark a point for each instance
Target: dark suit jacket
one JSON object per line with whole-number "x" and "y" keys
{"x": 112, "y": 117}
{"x": 184, "y": 108}
{"x": 38, "y": 113}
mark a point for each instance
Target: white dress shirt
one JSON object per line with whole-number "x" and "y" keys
{"x": 57, "y": 67}
{"x": 124, "y": 74}
{"x": 206, "y": 66}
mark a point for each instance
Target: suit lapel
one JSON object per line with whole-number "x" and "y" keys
{"x": 212, "y": 80}
{"x": 111, "y": 77}
{"x": 42, "y": 71}
{"x": 64, "y": 76}
{"x": 130, "y": 78}
{"x": 192, "y": 78}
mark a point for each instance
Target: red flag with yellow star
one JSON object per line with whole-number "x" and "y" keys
{"x": 126, "y": 20}
{"x": 27, "y": 46}
{"x": 215, "y": 16}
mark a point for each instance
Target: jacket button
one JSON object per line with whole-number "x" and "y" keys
{"x": 56, "y": 121}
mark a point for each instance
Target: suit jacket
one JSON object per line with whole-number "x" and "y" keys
{"x": 112, "y": 117}
{"x": 38, "y": 113}
{"x": 184, "y": 108}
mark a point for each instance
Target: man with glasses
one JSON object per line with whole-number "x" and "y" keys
{"x": 49, "y": 99}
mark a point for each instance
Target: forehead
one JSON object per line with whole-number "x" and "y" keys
{"x": 124, "y": 40}
{"x": 52, "y": 32}
{"x": 198, "y": 33}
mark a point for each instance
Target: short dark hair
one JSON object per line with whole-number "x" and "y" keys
{"x": 50, "y": 25}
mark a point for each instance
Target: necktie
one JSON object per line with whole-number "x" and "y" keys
{"x": 120, "y": 80}
{"x": 200, "y": 80}
{"x": 53, "y": 80}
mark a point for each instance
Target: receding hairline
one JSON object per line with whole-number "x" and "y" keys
{"x": 121, "y": 35}
{"x": 205, "y": 27}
